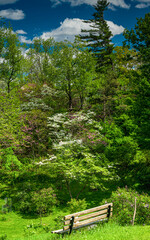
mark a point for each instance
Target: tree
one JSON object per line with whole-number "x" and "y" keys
{"x": 78, "y": 155}
{"x": 75, "y": 69}
{"x": 39, "y": 61}
{"x": 103, "y": 93}
{"x": 139, "y": 39}
{"x": 75, "y": 164}
{"x": 43, "y": 201}
{"x": 125, "y": 66}
{"x": 10, "y": 122}
{"x": 98, "y": 38}
{"x": 141, "y": 112}
{"x": 2, "y": 35}
{"x": 12, "y": 56}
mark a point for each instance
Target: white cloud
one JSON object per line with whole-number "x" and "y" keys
{"x": 12, "y": 14}
{"x": 143, "y": 3}
{"x": 116, "y": 3}
{"x": 21, "y": 32}
{"x": 71, "y": 27}
{"x": 4, "y": 2}
{"x": 119, "y": 3}
{"x": 68, "y": 29}
{"x": 24, "y": 39}
{"x": 114, "y": 28}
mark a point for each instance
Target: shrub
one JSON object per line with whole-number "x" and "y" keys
{"x": 8, "y": 160}
{"x": 35, "y": 202}
{"x": 124, "y": 205}
{"x": 44, "y": 200}
{"x": 77, "y": 205}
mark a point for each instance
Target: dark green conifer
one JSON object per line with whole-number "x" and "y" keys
{"x": 98, "y": 38}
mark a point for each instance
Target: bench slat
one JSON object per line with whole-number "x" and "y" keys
{"x": 87, "y": 211}
{"x": 91, "y": 220}
{"x": 58, "y": 231}
{"x": 85, "y": 218}
{"x": 77, "y": 219}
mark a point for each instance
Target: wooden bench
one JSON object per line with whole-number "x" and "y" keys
{"x": 85, "y": 218}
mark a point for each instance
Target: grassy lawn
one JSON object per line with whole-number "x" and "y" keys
{"x": 115, "y": 232}
{"x": 18, "y": 227}
{"x": 15, "y": 227}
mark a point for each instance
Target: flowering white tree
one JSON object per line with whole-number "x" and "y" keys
{"x": 73, "y": 159}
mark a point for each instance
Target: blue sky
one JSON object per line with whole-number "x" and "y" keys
{"x": 62, "y": 19}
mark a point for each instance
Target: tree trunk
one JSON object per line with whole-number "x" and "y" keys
{"x": 68, "y": 187}
{"x": 82, "y": 189}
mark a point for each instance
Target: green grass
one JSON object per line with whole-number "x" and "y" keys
{"x": 107, "y": 232}
{"x": 15, "y": 227}
{"x": 113, "y": 231}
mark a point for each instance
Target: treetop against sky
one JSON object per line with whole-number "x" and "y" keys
{"x": 62, "y": 19}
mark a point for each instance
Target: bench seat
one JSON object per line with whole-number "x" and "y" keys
{"x": 85, "y": 218}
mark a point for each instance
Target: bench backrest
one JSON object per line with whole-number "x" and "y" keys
{"x": 87, "y": 217}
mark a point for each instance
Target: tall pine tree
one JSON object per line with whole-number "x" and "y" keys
{"x": 98, "y": 38}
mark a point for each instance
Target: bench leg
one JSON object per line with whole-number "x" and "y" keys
{"x": 71, "y": 225}
{"x": 109, "y": 211}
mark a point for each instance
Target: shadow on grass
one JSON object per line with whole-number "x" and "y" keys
{"x": 28, "y": 216}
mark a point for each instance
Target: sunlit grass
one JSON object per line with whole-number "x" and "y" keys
{"x": 15, "y": 227}
{"x": 108, "y": 232}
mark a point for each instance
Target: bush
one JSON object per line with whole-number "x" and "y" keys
{"x": 77, "y": 205}
{"x": 44, "y": 200}
{"x": 35, "y": 202}
{"x": 124, "y": 204}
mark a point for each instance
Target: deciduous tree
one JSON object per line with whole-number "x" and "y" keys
{"x": 11, "y": 64}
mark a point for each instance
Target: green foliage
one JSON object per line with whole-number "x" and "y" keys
{"x": 98, "y": 38}
{"x": 141, "y": 170}
{"x": 10, "y": 122}
{"x": 35, "y": 202}
{"x": 75, "y": 164}
{"x": 11, "y": 65}
{"x": 75, "y": 70}
{"x": 140, "y": 40}
{"x": 34, "y": 140}
{"x": 103, "y": 138}
{"x": 141, "y": 111}
{"x": 124, "y": 205}
{"x": 103, "y": 94}
{"x": 77, "y": 205}
{"x": 121, "y": 150}
{"x": 8, "y": 160}
{"x": 44, "y": 200}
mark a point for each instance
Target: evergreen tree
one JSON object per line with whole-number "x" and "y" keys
{"x": 139, "y": 39}
{"x": 98, "y": 37}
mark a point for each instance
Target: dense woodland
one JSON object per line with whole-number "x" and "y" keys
{"x": 74, "y": 117}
